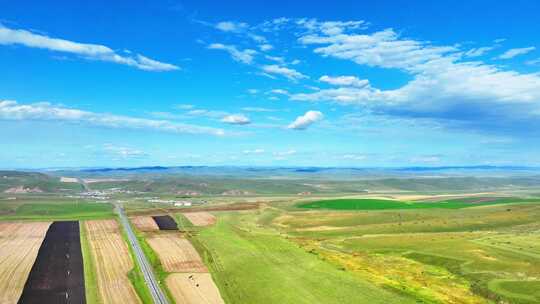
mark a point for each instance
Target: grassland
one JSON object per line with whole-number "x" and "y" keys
{"x": 386, "y": 204}
{"x": 251, "y": 264}
{"x": 469, "y": 255}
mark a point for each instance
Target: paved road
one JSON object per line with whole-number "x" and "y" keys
{"x": 146, "y": 268}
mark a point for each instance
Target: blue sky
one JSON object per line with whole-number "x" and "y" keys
{"x": 284, "y": 83}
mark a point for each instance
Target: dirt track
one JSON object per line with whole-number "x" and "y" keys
{"x": 19, "y": 245}
{"x": 112, "y": 262}
{"x": 176, "y": 253}
{"x": 57, "y": 275}
{"x": 193, "y": 288}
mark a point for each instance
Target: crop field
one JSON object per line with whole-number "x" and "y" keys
{"x": 200, "y": 218}
{"x": 165, "y": 222}
{"x": 19, "y": 245}
{"x": 112, "y": 262}
{"x": 176, "y": 253}
{"x": 54, "y": 210}
{"x": 144, "y": 223}
{"x": 386, "y": 204}
{"x": 193, "y": 288}
{"x": 58, "y": 272}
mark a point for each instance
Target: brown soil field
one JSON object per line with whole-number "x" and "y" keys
{"x": 176, "y": 253}
{"x": 193, "y": 288}
{"x": 57, "y": 275}
{"x": 112, "y": 262}
{"x": 19, "y": 245}
{"x": 200, "y": 218}
{"x": 144, "y": 223}
{"x": 165, "y": 222}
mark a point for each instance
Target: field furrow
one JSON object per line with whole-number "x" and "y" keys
{"x": 112, "y": 262}
{"x": 176, "y": 253}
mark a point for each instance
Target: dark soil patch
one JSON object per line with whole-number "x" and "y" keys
{"x": 57, "y": 275}
{"x": 165, "y": 222}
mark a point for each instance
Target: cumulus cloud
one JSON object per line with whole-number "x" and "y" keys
{"x": 84, "y": 50}
{"x": 306, "y": 120}
{"x": 511, "y": 53}
{"x": 11, "y": 110}
{"x": 444, "y": 85}
{"x": 350, "y": 81}
{"x": 288, "y": 73}
{"x": 244, "y": 56}
{"x": 236, "y": 119}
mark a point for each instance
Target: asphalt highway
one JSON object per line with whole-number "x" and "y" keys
{"x": 146, "y": 268}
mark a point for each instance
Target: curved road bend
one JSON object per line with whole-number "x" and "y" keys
{"x": 146, "y": 268}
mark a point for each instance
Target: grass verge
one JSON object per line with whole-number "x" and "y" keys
{"x": 90, "y": 280}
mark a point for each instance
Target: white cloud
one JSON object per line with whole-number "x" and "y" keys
{"x": 511, "y": 53}
{"x": 231, "y": 26}
{"x": 306, "y": 120}
{"x": 533, "y": 62}
{"x": 257, "y": 109}
{"x": 285, "y": 153}
{"x": 265, "y": 47}
{"x": 255, "y": 151}
{"x": 184, "y": 106}
{"x": 207, "y": 113}
{"x": 442, "y": 81}
{"x": 350, "y": 81}
{"x": 11, "y": 110}
{"x": 275, "y": 58}
{"x": 330, "y": 27}
{"x": 253, "y": 91}
{"x": 290, "y": 74}
{"x": 354, "y": 156}
{"x": 279, "y": 92}
{"x": 88, "y": 51}
{"x": 244, "y": 56}
{"x": 236, "y": 119}
{"x": 124, "y": 152}
{"x": 476, "y": 52}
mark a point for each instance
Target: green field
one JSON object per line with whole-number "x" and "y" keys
{"x": 251, "y": 264}
{"x": 59, "y": 211}
{"x": 382, "y": 204}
